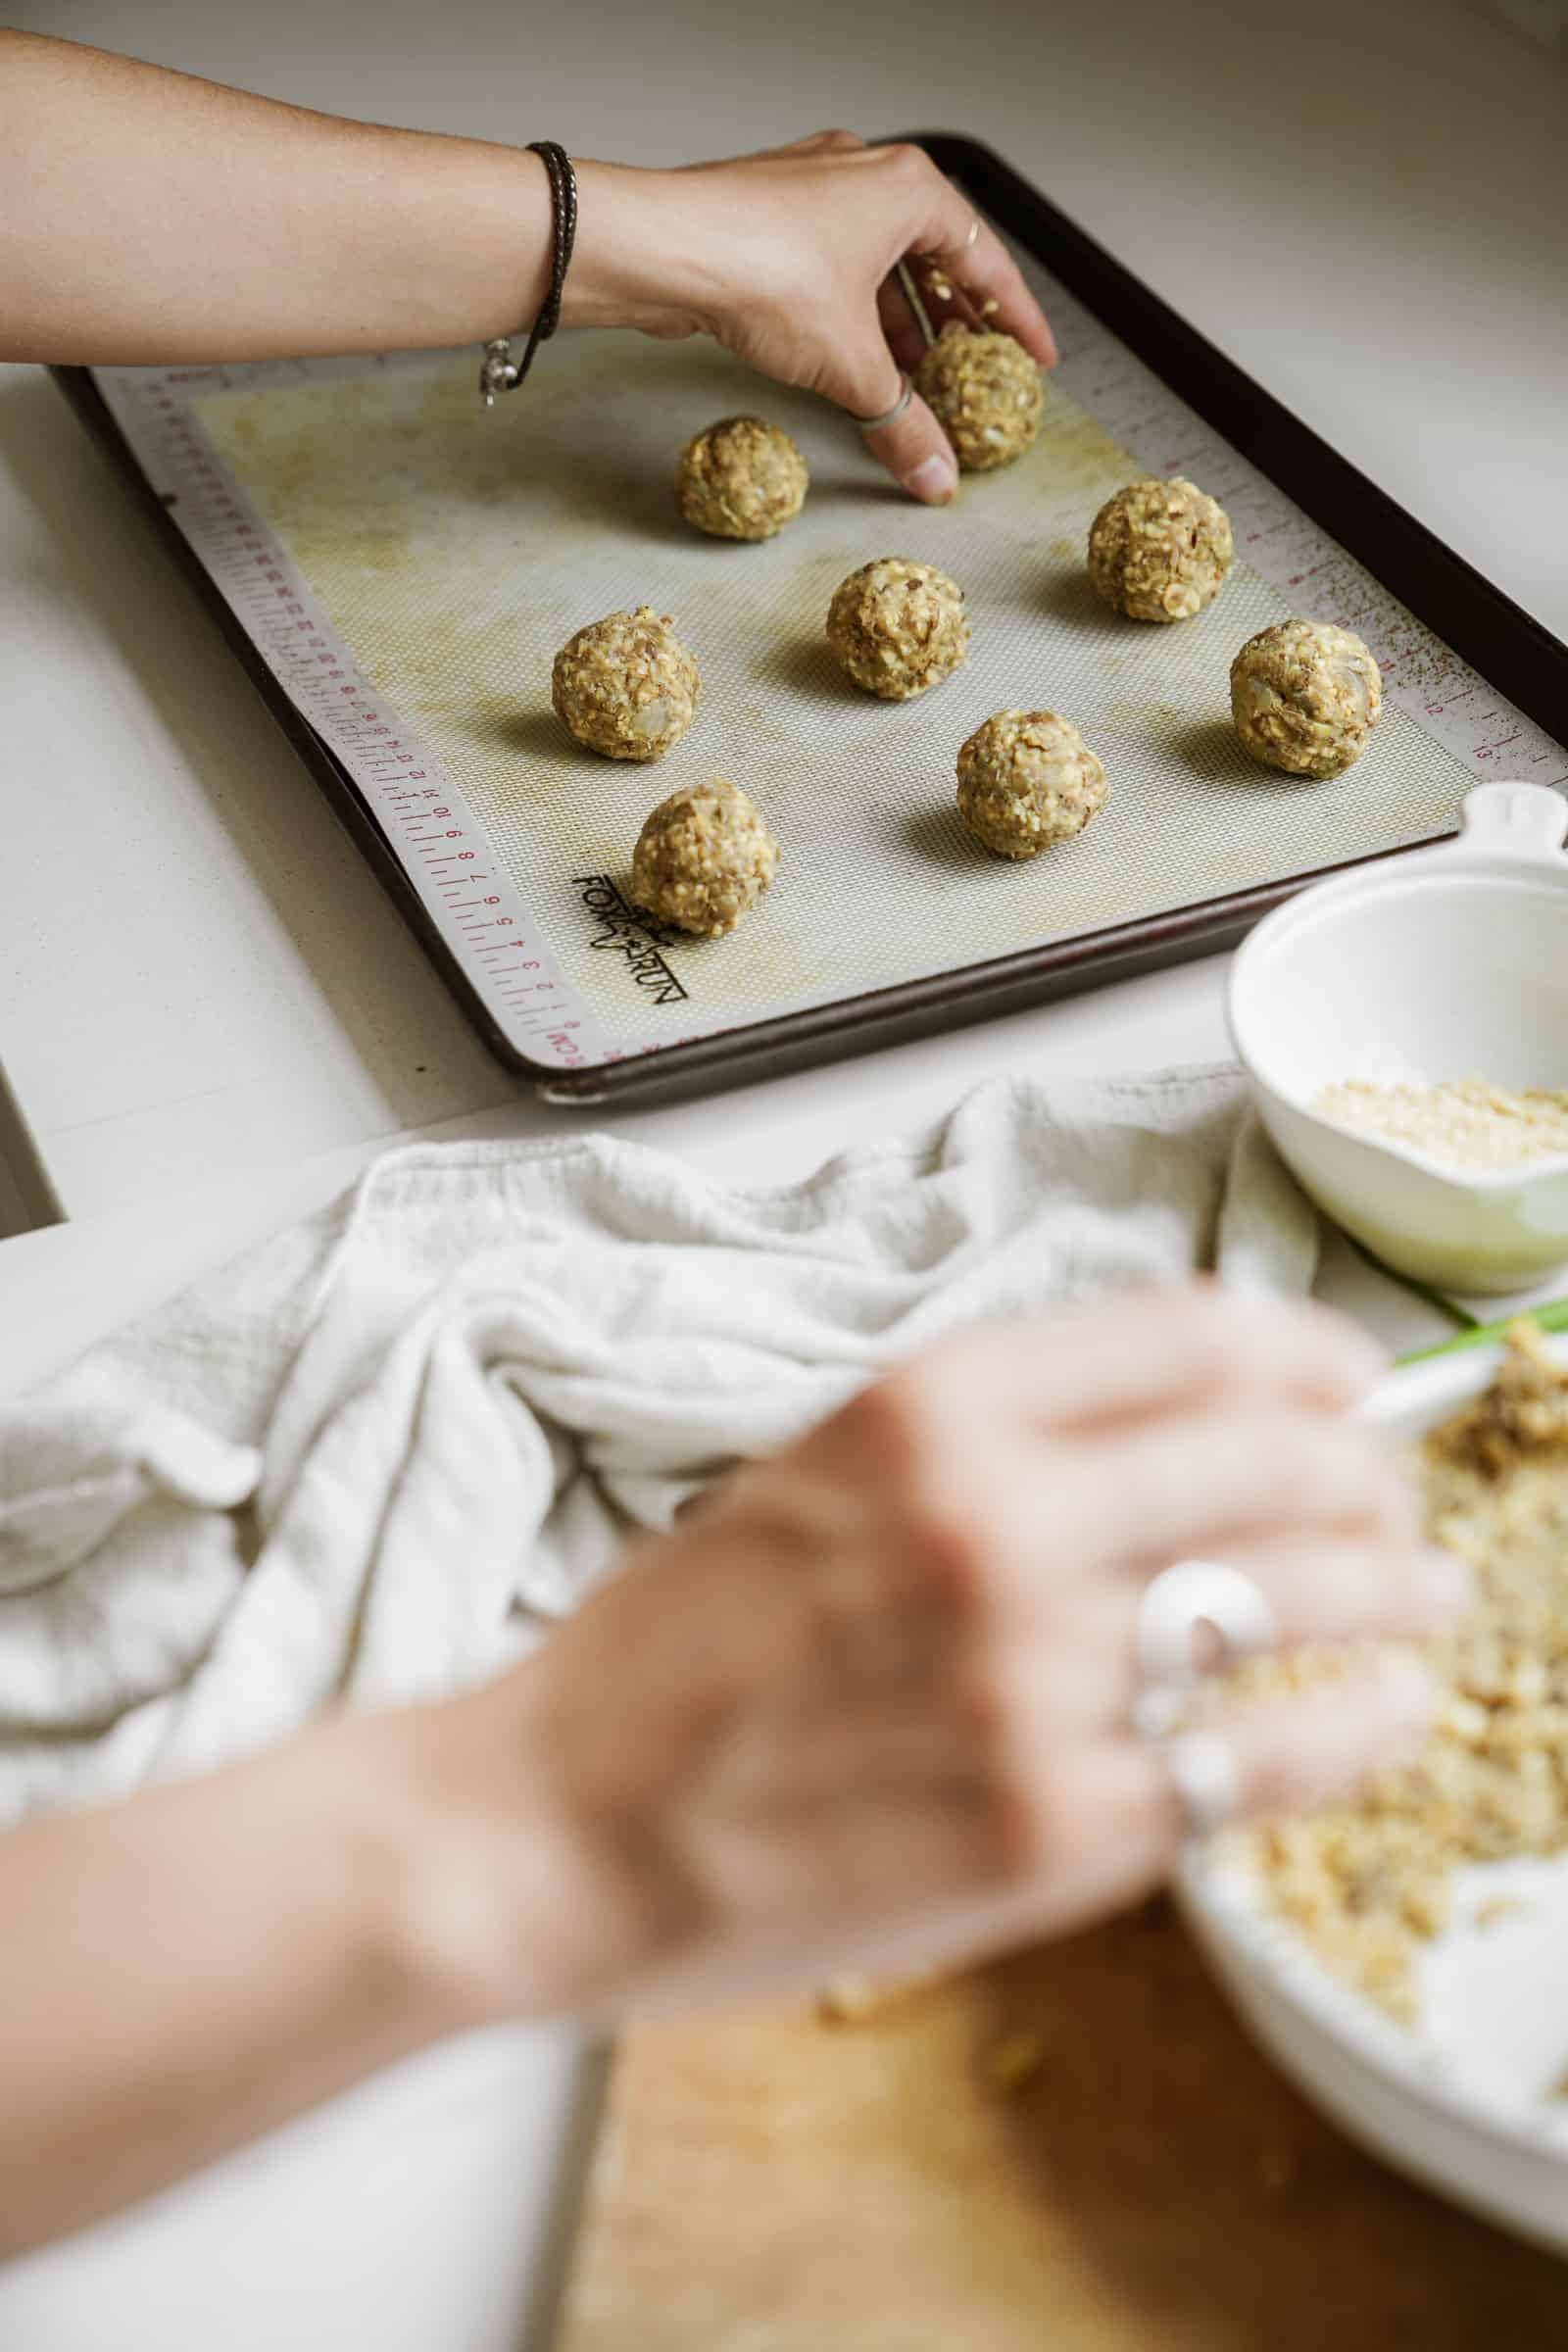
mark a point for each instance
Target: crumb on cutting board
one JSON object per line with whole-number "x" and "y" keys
{"x": 1015, "y": 2060}
{"x": 852, "y": 2000}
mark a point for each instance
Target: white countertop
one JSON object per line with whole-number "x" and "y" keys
{"x": 198, "y": 976}
{"x": 209, "y": 1014}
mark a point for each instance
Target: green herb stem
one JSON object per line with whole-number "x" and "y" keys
{"x": 1450, "y": 1307}
{"x": 1554, "y": 1316}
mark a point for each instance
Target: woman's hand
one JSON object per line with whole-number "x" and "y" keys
{"x": 154, "y": 219}
{"x": 869, "y": 1705}
{"x": 788, "y": 258}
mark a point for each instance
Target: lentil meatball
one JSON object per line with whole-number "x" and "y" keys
{"x": 1305, "y": 697}
{"x": 741, "y": 480}
{"x": 898, "y": 627}
{"x": 985, "y": 392}
{"x": 626, "y": 686}
{"x": 1159, "y": 550}
{"x": 1027, "y": 778}
{"x": 704, "y": 856}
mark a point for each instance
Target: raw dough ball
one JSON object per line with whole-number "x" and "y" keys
{"x": 626, "y": 686}
{"x": 1027, "y": 778}
{"x": 704, "y": 856}
{"x": 741, "y": 480}
{"x": 985, "y": 390}
{"x": 1159, "y": 550}
{"x": 1305, "y": 697}
{"x": 898, "y": 627}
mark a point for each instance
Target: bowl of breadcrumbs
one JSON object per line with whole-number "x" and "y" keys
{"x": 1404, "y": 1957}
{"x": 1404, "y": 1028}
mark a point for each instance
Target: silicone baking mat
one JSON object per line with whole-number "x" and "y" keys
{"x": 407, "y": 566}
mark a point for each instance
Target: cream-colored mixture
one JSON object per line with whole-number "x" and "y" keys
{"x": 1159, "y": 550}
{"x": 626, "y": 685}
{"x": 1367, "y": 1883}
{"x": 1305, "y": 697}
{"x": 1027, "y": 778}
{"x": 703, "y": 857}
{"x": 741, "y": 480}
{"x": 898, "y": 627}
{"x": 1465, "y": 1121}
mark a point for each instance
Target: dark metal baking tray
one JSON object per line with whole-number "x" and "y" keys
{"x": 1484, "y": 628}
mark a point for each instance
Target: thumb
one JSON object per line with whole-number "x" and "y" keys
{"x": 864, "y": 377}
{"x": 916, "y": 453}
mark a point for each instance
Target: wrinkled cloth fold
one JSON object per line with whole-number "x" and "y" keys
{"x": 371, "y": 1457}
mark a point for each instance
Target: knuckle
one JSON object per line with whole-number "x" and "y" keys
{"x": 839, "y": 142}
{"x": 910, "y": 1442}
{"x": 977, "y": 1706}
{"x": 952, "y": 1553}
{"x": 916, "y": 1407}
{"x": 1221, "y": 1345}
{"x": 890, "y": 1420}
{"x": 904, "y": 159}
{"x": 1318, "y": 1345}
{"x": 1243, "y": 1342}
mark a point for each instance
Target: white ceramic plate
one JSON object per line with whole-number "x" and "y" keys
{"x": 1463, "y": 2103}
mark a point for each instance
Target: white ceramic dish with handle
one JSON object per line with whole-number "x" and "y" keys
{"x": 1440, "y": 963}
{"x": 1465, "y": 2103}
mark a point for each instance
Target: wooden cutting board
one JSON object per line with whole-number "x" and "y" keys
{"x": 775, "y": 2185}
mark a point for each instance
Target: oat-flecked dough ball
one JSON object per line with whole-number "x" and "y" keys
{"x": 741, "y": 480}
{"x": 898, "y": 627}
{"x": 626, "y": 685}
{"x": 1026, "y": 779}
{"x": 1159, "y": 550}
{"x": 704, "y": 858}
{"x": 984, "y": 391}
{"x": 1305, "y": 697}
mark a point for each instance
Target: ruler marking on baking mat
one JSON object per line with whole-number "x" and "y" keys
{"x": 1420, "y": 675}
{"x": 407, "y": 567}
{"x": 418, "y": 805}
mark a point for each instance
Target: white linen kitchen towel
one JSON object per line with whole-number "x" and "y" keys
{"x": 368, "y": 1455}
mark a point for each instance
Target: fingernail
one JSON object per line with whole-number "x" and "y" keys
{"x": 1409, "y": 1692}
{"x": 1450, "y": 1582}
{"x": 935, "y": 478}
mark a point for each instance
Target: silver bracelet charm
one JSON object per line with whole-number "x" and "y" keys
{"x": 498, "y": 370}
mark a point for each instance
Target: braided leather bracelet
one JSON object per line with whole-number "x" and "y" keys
{"x": 498, "y": 370}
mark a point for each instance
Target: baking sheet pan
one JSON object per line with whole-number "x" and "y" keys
{"x": 402, "y": 568}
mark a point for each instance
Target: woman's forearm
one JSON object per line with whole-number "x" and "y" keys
{"x": 845, "y": 1716}
{"x": 147, "y": 218}
{"x": 187, "y": 1970}
{"x": 152, "y": 217}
